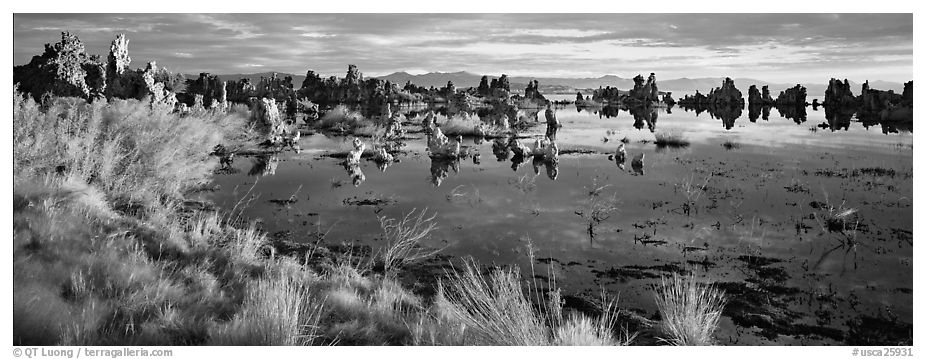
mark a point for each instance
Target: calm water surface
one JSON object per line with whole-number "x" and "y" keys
{"x": 756, "y": 227}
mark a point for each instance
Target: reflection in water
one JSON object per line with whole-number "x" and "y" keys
{"x": 868, "y": 119}
{"x": 727, "y": 114}
{"x": 620, "y": 156}
{"x": 644, "y": 116}
{"x": 356, "y": 174}
{"x": 756, "y": 110}
{"x": 637, "y": 164}
{"x": 264, "y": 165}
{"x": 440, "y": 169}
{"x": 607, "y": 111}
{"x": 500, "y": 149}
{"x": 552, "y": 129}
{"x": 796, "y": 113}
{"x": 540, "y": 213}
{"x": 838, "y": 118}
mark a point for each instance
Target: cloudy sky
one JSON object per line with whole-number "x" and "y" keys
{"x": 771, "y": 47}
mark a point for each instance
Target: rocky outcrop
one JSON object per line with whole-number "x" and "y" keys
{"x": 119, "y": 82}
{"x": 532, "y": 92}
{"x": 643, "y": 92}
{"x": 795, "y": 96}
{"x": 500, "y": 88}
{"x": 760, "y": 98}
{"x": 156, "y": 91}
{"x": 373, "y": 93}
{"x": 64, "y": 69}
{"x": 442, "y": 147}
{"x": 353, "y": 156}
{"x": 766, "y": 97}
{"x": 886, "y": 105}
{"x": 755, "y": 98}
{"x": 61, "y": 70}
{"x": 838, "y": 93}
{"x": 607, "y": 94}
{"x": 212, "y": 89}
{"x": 726, "y": 94}
{"x": 267, "y": 119}
{"x": 693, "y": 100}
{"x": 667, "y": 99}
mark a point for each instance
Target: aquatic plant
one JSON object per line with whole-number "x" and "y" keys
{"x": 836, "y": 218}
{"x": 671, "y": 138}
{"x": 690, "y": 311}
{"x": 595, "y": 208}
{"x": 730, "y": 145}
{"x": 692, "y": 191}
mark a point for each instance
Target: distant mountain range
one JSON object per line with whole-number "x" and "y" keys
{"x": 679, "y": 87}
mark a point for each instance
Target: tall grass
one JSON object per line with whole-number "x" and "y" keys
{"x": 276, "y": 311}
{"x": 494, "y": 309}
{"x": 343, "y": 118}
{"x": 690, "y": 310}
{"x": 403, "y": 237}
{"x": 465, "y": 126}
{"x": 102, "y": 254}
{"x": 131, "y": 151}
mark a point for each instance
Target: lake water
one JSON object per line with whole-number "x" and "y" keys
{"x": 757, "y": 229}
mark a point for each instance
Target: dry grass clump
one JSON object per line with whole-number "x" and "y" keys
{"x": 136, "y": 154}
{"x": 343, "y": 118}
{"x": 838, "y": 218}
{"x": 460, "y": 125}
{"x": 402, "y": 239}
{"x": 475, "y": 309}
{"x": 276, "y": 311}
{"x": 102, "y": 256}
{"x": 690, "y": 310}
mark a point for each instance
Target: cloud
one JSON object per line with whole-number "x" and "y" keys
{"x": 675, "y": 45}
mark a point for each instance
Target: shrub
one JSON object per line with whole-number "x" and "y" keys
{"x": 690, "y": 311}
{"x": 403, "y": 237}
